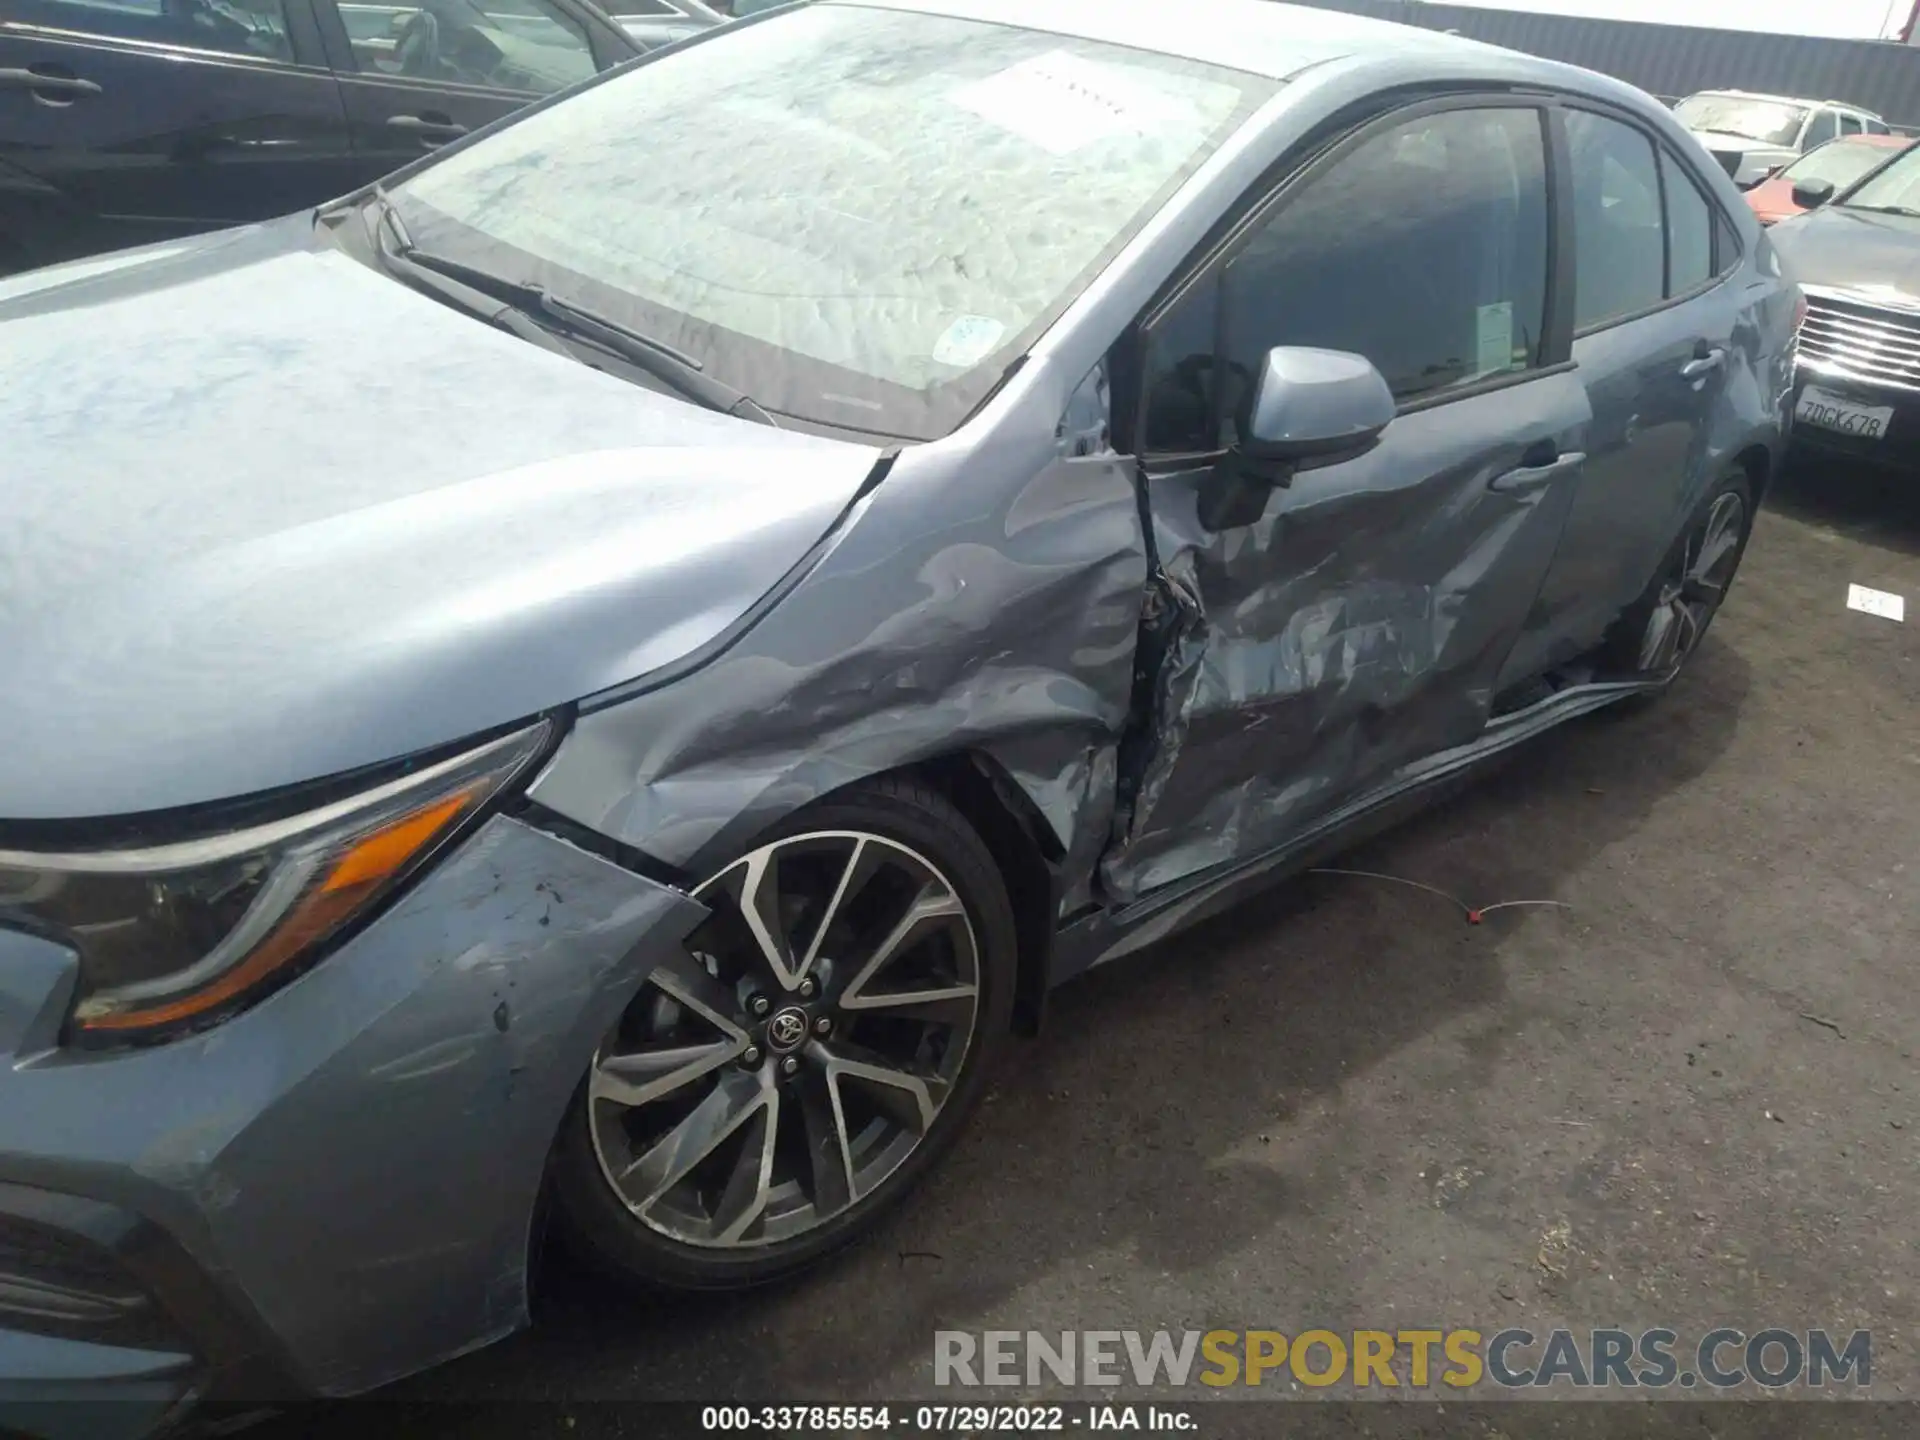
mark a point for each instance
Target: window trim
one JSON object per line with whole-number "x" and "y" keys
{"x": 303, "y": 37}
{"x": 1553, "y": 354}
{"x": 1664, "y": 154}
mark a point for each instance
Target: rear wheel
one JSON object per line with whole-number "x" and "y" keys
{"x": 779, "y": 1086}
{"x": 1659, "y": 633}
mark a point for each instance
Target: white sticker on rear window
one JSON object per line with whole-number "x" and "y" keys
{"x": 1493, "y": 338}
{"x": 968, "y": 340}
{"x": 1063, "y": 103}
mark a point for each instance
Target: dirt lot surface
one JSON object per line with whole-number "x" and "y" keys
{"x": 1688, "y": 1100}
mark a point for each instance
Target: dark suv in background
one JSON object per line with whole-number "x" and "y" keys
{"x": 129, "y": 121}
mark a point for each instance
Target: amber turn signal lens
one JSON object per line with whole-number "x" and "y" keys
{"x": 363, "y": 868}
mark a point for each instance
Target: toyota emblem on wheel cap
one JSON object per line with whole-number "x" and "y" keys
{"x": 786, "y": 1030}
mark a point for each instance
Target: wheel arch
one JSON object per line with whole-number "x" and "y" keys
{"x": 1026, "y": 852}
{"x": 1758, "y": 463}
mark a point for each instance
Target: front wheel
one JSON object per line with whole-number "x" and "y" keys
{"x": 1660, "y": 632}
{"x": 775, "y": 1089}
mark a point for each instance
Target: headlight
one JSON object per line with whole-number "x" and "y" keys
{"x": 179, "y": 935}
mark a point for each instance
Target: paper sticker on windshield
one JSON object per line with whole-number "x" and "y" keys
{"x": 1493, "y": 341}
{"x": 968, "y": 340}
{"x": 1063, "y": 103}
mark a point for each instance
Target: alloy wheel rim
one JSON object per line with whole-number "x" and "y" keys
{"x": 784, "y": 1065}
{"x": 1694, "y": 589}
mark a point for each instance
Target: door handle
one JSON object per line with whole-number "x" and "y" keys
{"x": 426, "y": 128}
{"x": 1704, "y": 363}
{"x": 1540, "y": 472}
{"x": 50, "y": 87}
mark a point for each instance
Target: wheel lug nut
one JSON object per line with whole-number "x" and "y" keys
{"x": 807, "y": 987}
{"x": 790, "y": 1066}
{"x": 750, "y": 1056}
{"x": 823, "y": 1026}
{"x": 759, "y": 1004}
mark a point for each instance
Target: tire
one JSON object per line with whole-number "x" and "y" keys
{"x": 845, "y": 1147}
{"x": 1656, "y": 635}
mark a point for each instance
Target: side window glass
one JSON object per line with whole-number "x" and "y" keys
{"x": 1689, "y": 230}
{"x": 1849, "y": 124}
{"x": 1726, "y": 247}
{"x": 525, "y": 45}
{"x": 1878, "y": 127}
{"x": 1619, "y": 251}
{"x": 1819, "y": 130}
{"x": 1424, "y": 250}
{"x": 237, "y": 27}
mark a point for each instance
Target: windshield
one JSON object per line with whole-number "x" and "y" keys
{"x": 1895, "y": 188}
{"x": 1767, "y": 121}
{"x": 859, "y": 217}
{"x": 1840, "y": 161}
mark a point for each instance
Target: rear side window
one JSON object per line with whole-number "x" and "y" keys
{"x": 1689, "y": 230}
{"x": 236, "y": 27}
{"x": 1618, "y": 247}
{"x": 1878, "y": 127}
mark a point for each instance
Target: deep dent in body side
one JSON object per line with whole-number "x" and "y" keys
{"x": 992, "y": 615}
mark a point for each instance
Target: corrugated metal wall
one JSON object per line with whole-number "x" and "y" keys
{"x": 1676, "y": 60}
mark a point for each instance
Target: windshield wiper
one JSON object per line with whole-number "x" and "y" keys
{"x": 535, "y": 306}
{"x": 1906, "y": 210}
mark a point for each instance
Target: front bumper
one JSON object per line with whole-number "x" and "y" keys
{"x": 1898, "y": 449}
{"x": 330, "y": 1191}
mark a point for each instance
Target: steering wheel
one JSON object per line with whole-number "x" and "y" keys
{"x": 417, "y": 51}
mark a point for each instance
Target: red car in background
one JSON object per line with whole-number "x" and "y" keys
{"x": 1839, "y": 162}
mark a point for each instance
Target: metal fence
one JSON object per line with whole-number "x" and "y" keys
{"x": 1676, "y": 60}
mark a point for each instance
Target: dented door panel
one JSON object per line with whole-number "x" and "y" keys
{"x": 1359, "y": 624}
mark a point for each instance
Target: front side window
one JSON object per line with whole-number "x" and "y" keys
{"x": 858, "y": 217}
{"x": 1849, "y": 124}
{"x": 235, "y": 27}
{"x": 525, "y": 45}
{"x": 1423, "y": 249}
{"x": 1768, "y": 121}
{"x": 1821, "y": 130}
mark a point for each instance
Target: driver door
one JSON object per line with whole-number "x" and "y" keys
{"x": 416, "y": 74}
{"x": 1293, "y": 660}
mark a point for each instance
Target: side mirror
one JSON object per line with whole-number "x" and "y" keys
{"x": 1812, "y": 194}
{"x": 1307, "y": 407}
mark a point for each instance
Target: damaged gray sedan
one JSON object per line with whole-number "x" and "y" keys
{"x": 593, "y": 685}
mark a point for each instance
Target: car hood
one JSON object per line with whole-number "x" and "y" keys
{"x": 1772, "y": 200}
{"x": 655, "y": 31}
{"x": 267, "y": 515}
{"x": 1842, "y": 249}
{"x": 1723, "y": 140}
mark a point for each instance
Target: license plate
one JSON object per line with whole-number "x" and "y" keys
{"x": 1834, "y": 412}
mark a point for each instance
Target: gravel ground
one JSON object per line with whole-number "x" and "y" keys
{"x": 1687, "y": 1100}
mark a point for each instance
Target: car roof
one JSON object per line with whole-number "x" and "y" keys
{"x": 1784, "y": 100}
{"x": 1258, "y": 36}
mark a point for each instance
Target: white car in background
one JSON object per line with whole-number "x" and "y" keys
{"x": 654, "y": 23}
{"x": 1754, "y": 135}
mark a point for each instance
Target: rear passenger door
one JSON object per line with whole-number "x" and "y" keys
{"x": 419, "y": 73}
{"x": 144, "y": 119}
{"x": 1654, "y": 344}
